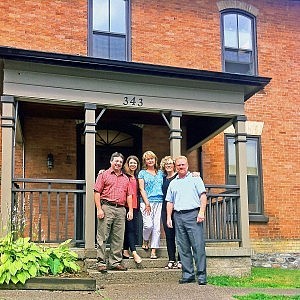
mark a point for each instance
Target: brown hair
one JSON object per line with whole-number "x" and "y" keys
{"x": 126, "y": 165}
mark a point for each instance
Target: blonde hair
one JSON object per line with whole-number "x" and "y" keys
{"x": 149, "y": 154}
{"x": 165, "y": 161}
{"x": 181, "y": 157}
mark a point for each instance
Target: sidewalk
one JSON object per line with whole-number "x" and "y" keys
{"x": 150, "y": 291}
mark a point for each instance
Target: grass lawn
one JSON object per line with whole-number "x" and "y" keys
{"x": 258, "y": 296}
{"x": 262, "y": 278}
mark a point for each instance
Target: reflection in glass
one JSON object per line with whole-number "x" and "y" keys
{"x": 117, "y": 16}
{"x": 101, "y": 15}
{"x": 230, "y": 31}
{"x": 245, "y": 32}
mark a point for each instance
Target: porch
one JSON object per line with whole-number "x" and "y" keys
{"x": 193, "y": 105}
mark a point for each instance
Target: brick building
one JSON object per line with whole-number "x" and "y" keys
{"x": 81, "y": 79}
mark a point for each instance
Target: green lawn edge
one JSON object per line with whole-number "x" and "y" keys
{"x": 261, "y": 278}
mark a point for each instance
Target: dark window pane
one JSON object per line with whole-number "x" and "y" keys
{"x": 238, "y": 68}
{"x": 231, "y": 55}
{"x": 118, "y": 48}
{"x": 244, "y": 57}
{"x": 253, "y": 192}
{"x": 101, "y": 46}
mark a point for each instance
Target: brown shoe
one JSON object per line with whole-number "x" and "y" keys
{"x": 118, "y": 268}
{"x": 102, "y": 269}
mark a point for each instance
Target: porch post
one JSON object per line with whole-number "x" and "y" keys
{"x": 175, "y": 133}
{"x": 8, "y": 128}
{"x": 89, "y": 133}
{"x": 241, "y": 178}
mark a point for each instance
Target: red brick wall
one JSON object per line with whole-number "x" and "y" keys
{"x": 47, "y": 25}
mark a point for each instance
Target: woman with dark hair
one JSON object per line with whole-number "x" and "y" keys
{"x": 132, "y": 167}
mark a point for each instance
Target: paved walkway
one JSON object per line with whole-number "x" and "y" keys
{"x": 162, "y": 291}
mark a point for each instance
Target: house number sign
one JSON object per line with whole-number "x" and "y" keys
{"x": 133, "y": 101}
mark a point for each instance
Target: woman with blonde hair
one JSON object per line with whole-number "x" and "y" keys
{"x": 167, "y": 165}
{"x": 150, "y": 184}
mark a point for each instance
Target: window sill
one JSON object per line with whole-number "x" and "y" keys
{"x": 258, "y": 218}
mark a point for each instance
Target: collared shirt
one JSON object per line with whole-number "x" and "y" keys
{"x": 185, "y": 192}
{"x": 113, "y": 187}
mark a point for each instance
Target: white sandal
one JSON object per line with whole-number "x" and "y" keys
{"x": 170, "y": 265}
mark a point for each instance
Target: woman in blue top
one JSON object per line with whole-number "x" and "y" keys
{"x": 150, "y": 183}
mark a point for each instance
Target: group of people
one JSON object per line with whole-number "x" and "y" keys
{"x": 168, "y": 192}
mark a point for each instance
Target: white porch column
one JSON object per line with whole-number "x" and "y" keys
{"x": 241, "y": 178}
{"x": 8, "y": 128}
{"x": 175, "y": 133}
{"x": 89, "y": 133}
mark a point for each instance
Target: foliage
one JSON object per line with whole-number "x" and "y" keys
{"x": 61, "y": 259}
{"x": 21, "y": 259}
{"x": 261, "y": 278}
{"x": 258, "y": 296}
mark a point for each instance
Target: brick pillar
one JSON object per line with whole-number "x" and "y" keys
{"x": 90, "y": 144}
{"x": 8, "y": 130}
{"x": 175, "y": 133}
{"x": 241, "y": 178}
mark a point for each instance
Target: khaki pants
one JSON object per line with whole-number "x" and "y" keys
{"x": 111, "y": 228}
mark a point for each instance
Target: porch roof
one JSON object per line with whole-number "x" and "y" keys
{"x": 251, "y": 84}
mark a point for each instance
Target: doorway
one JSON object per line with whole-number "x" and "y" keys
{"x": 117, "y": 137}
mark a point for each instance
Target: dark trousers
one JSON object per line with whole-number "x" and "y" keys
{"x": 170, "y": 237}
{"x": 130, "y": 232}
{"x": 191, "y": 245}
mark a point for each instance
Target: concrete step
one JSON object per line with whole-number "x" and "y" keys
{"x": 147, "y": 275}
{"x": 147, "y": 263}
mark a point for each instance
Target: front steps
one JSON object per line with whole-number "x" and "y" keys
{"x": 220, "y": 261}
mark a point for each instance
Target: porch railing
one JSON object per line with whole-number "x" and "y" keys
{"x": 222, "y": 214}
{"x": 49, "y": 210}
{"x": 53, "y": 210}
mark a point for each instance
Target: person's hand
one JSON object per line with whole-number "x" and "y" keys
{"x": 200, "y": 217}
{"x": 169, "y": 223}
{"x": 130, "y": 215}
{"x": 196, "y": 174}
{"x": 100, "y": 213}
{"x": 101, "y": 171}
{"x": 147, "y": 209}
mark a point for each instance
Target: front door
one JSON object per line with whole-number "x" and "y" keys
{"x": 123, "y": 138}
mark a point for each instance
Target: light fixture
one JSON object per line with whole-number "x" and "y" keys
{"x": 50, "y": 161}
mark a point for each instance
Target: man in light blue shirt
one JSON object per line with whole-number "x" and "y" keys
{"x": 186, "y": 195}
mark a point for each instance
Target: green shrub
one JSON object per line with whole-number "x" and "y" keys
{"x": 21, "y": 259}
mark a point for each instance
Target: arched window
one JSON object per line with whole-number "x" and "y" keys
{"x": 238, "y": 42}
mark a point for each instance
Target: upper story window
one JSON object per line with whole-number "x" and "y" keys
{"x": 109, "y": 21}
{"x": 239, "y": 42}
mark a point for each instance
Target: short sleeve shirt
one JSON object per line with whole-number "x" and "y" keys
{"x": 185, "y": 192}
{"x": 153, "y": 185}
{"x": 113, "y": 187}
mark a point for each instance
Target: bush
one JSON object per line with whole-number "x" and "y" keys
{"x": 21, "y": 259}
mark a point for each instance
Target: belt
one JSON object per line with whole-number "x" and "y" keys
{"x": 185, "y": 211}
{"x": 111, "y": 203}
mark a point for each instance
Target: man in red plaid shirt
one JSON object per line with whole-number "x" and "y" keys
{"x": 111, "y": 192}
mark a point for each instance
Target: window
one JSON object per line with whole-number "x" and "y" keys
{"x": 109, "y": 29}
{"x": 239, "y": 43}
{"x": 254, "y": 174}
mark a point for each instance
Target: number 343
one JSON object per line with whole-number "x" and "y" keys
{"x": 134, "y": 101}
